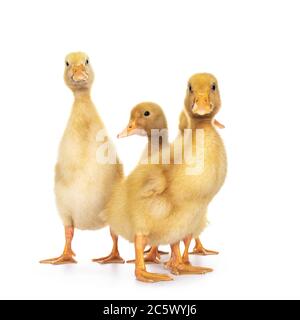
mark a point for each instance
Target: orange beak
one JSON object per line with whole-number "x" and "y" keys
{"x": 79, "y": 73}
{"x": 130, "y": 130}
{"x": 201, "y": 105}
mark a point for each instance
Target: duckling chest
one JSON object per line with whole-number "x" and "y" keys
{"x": 78, "y": 153}
{"x": 204, "y": 171}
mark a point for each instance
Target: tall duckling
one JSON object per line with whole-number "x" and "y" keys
{"x": 144, "y": 119}
{"x": 83, "y": 186}
{"x": 198, "y": 249}
{"x": 202, "y": 102}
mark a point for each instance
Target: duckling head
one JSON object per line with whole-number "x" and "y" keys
{"x": 145, "y": 117}
{"x": 78, "y": 71}
{"x": 202, "y": 100}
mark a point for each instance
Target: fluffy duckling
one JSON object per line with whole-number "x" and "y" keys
{"x": 144, "y": 118}
{"x": 202, "y": 102}
{"x": 198, "y": 249}
{"x": 83, "y": 186}
{"x": 148, "y": 208}
{"x": 142, "y": 124}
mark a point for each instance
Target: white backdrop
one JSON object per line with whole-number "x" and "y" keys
{"x": 147, "y": 50}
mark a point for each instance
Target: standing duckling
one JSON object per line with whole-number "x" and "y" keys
{"x": 199, "y": 249}
{"x": 144, "y": 118}
{"x": 82, "y": 185}
{"x": 202, "y": 102}
{"x": 149, "y": 207}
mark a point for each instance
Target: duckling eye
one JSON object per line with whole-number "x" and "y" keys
{"x": 67, "y": 63}
{"x": 146, "y": 113}
{"x": 213, "y": 87}
{"x": 87, "y": 61}
{"x": 190, "y": 88}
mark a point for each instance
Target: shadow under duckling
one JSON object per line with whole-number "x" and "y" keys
{"x": 83, "y": 186}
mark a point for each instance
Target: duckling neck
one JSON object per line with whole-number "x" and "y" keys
{"x": 201, "y": 123}
{"x": 84, "y": 113}
{"x": 83, "y": 105}
{"x": 83, "y": 95}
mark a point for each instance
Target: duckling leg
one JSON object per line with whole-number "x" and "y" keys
{"x": 152, "y": 256}
{"x": 114, "y": 256}
{"x": 160, "y": 252}
{"x": 140, "y": 269}
{"x": 67, "y": 255}
{"x": 185, "y": 256}
{"x": 200, "y": 250}
{"x": 178, "y": 267}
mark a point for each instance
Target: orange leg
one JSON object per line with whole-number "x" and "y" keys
{"x": 152, "y": 256}
{"x": 200, "y": 250}
{"x": 140, "y": 269}
{"x": 185, "y": 256}
{"x": 178, "y": 266}
{"x": 114, "y": 256}
{"x": 67, "y": 255}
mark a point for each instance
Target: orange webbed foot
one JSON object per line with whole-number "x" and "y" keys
{"x": 63, "y": 259}
{"x": 160, "y": 252}
{"x": 68, "y": 253}
{"x": 179, "y": 266}
{"x": 186, "y": 268}
{"x": 200, "y": 250}
{"x": 204, "y": 252}
{"x": 112, "y": 258}
{"x": 147, "y": 260}
{"x": 145, "y": 276}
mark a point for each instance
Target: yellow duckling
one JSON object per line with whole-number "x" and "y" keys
{"x": 149, "y": 207}
{"x": 140, "y": 125}
{"x": 199, "y": 249}
{"x": 83, "y": 186}
{"x": 146, "y": 117}
{"x": 202, "y": 102}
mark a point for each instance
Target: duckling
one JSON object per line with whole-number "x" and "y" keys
{"x": 199, "y": 249}
{"x": 202, "y": 102}
{"x": 82, "y": 185}
{"x": 144, "y": 118}
{"x": 150, "y": 206}
{"x": 145, "y": 127}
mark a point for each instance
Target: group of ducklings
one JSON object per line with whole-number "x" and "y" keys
{"x": 157, "y": 203}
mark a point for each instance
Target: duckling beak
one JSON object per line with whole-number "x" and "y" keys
{"x": 79, "y": 73}
{"x": 130, "y": 130}
{"x": 201, "y": 105}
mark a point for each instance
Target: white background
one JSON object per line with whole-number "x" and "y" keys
{"x": 147, "y": 50}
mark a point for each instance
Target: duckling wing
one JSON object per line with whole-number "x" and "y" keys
{"x": 154, "y": 198}
{"x": 154, "y": 184}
